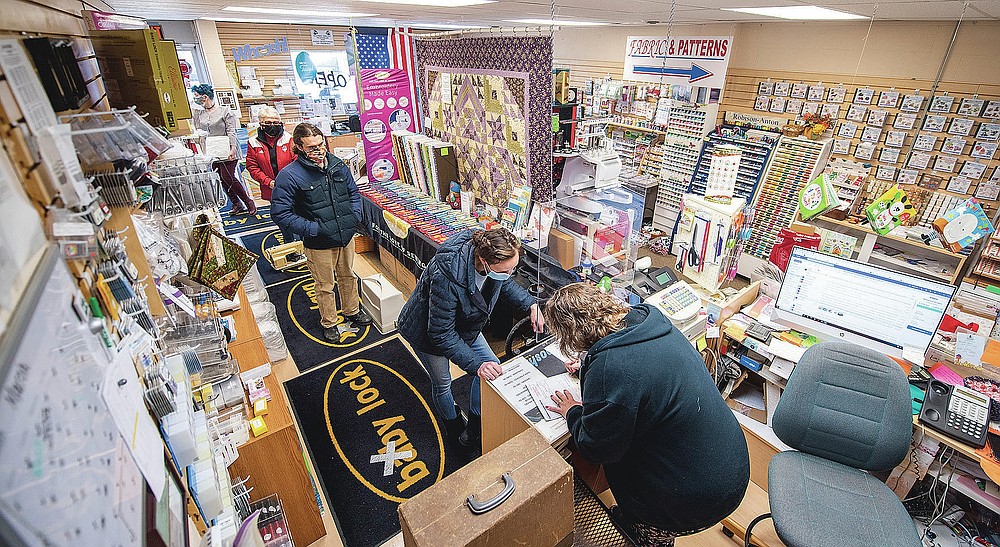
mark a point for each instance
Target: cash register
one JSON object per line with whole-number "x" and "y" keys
{"x": 648, "y": 283}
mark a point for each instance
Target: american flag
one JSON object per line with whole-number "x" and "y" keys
{"x": 389, "y": 48}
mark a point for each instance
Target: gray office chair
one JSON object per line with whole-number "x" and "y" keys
{"x": 846, "y": 410}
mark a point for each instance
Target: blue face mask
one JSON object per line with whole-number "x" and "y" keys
{"x": 496, "y": 276}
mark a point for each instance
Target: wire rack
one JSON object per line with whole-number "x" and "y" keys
{"x": 592, "y": 524}
{"x": 185, "y": 185}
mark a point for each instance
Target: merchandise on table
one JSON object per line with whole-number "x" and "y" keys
{"x": 435, "y": 219}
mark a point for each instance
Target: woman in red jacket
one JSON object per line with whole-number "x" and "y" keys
{"x": 269, "y": 153}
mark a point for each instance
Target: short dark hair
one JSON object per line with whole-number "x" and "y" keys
{"x": 204, "y": 89}
{"x": 495, "y": 245}
{"x": 302, "y": 131}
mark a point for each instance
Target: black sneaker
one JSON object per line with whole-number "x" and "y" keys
{"x": 361, "y": 318}
{"x": 332, "y": 334}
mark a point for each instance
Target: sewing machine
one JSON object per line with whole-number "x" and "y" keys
{"x": 279, "y": 255}
{"x": 592, "y": 169}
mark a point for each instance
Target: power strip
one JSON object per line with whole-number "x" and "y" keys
{"x": 939, "y": 536}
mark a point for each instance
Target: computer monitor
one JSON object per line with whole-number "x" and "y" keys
{"x": 840, "y": 299}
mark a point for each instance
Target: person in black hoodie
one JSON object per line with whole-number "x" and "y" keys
{"x": 444, "y": 318}
{"x": 674, "y": 455}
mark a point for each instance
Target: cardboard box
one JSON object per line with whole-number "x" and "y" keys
{"x": 382, "y": 301}
{"x": 139, "y": 69}
{"x": 539, "y": 513}
{"x": 561, "y": 248}
{"x": 749, "y": 398}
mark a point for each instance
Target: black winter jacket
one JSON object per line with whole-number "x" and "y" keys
{"x": 446, "y": 312}
{"x": 674, "y": 454}
{"x": 321, "y": 205}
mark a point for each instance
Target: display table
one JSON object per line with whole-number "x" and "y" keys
{"x": 274, "y": 461}
{"x": 406, "y": 244}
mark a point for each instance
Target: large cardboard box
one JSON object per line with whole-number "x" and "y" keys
{"x": 139, "y": 69}
{"x": 382, "y": 300}
{"x": 562, "y": 248}
{"x": 539, "y": 513}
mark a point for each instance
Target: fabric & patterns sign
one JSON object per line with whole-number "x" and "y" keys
{"x": 680, "y": 60}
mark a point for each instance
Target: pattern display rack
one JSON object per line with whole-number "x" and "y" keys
{"x": 795, "y": 162}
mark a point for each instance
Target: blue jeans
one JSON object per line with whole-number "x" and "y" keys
{"x": 440, "y": 372}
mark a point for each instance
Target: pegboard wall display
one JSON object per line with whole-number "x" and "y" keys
{"x": 945, "y": 143}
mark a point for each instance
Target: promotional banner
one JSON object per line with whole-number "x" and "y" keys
{"x": 685, "y": 60}
{"x": 386, "y": 101}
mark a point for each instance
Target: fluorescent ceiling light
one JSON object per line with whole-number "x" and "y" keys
{"x": 447, "y": 26}
{"x": 284, "y": 11}
{"x": 799, "y": 12}
{"x": 434, "y": 3}
{"x": 557, "y": 22}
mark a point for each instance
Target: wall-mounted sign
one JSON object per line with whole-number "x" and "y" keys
{"x": 102, "y": 20}
{"x": 321, "y": 37}
{"x": 686, "y": 60}
{"x": 755, "y": 121}
{"x": 387, "y": 98}
{"x": 324, "y": 74}
{"x": 248, "y": 52}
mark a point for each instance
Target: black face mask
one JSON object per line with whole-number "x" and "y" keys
{"x": 272, "y": 130}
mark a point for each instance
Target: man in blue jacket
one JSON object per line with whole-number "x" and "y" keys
{"x": 316, "y": 197}
{"x": 444, "y": 318}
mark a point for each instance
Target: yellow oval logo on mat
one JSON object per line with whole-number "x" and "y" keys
{"x": 384, "y": 423}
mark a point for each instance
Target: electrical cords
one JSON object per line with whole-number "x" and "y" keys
{"x": 939, "y": 504}
{"x": 914, "y": 462}
{"x": 714, "y": 368}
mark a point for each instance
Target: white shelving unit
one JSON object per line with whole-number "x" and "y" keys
{"x": 686, "y": 127}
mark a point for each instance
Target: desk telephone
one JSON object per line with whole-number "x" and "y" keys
{"x": 956, "y": 411}
{"x": 678, "y": 302}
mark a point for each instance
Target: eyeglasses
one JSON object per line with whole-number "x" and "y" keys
{"x": 269, "y": 124}
{"x": 317, "y": 148}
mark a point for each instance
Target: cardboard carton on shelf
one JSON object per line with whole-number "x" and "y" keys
{"x": 139, "y": 69}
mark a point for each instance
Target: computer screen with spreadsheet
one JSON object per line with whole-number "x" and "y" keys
{"x": 840, "y": 299}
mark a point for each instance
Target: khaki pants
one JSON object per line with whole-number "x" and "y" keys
{"x": 327, "y": 266}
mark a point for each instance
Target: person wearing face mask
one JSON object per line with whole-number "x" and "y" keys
{"x": 444, "y": 318}
{"x": 267, "y": 154}
{"x": 315, "y": 197}
{"x": 217, "y": 121}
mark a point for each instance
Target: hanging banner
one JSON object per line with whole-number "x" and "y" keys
{"x": 387, "y": 97}
{"x": 680, "y": 60}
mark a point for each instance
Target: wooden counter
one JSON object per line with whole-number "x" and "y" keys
{"x": 274, "y": 461}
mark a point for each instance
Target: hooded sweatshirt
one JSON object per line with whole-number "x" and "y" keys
{"x": 674, "y": 454}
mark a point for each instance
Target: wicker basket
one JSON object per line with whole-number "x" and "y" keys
{"x": 363, "y": 244}
{"x": 792, "y": 130}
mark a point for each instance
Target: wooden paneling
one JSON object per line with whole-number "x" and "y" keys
{"x": 274, "y": 461}
{"x": 741, "y": 92}
{"x": 273, "y": 67}
{"x": 277, "y": 467}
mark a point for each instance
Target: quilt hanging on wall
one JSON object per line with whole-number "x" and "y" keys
{"x": 491, "y": 97}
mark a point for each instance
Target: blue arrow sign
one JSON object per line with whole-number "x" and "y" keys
{"x": 694, "y": 74}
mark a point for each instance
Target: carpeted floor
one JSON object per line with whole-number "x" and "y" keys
{"x": 257, "y": 242}
{"x": 348, "y": 412}
{"x": 298, "y": 316}
{"x": 234, "y": 225}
